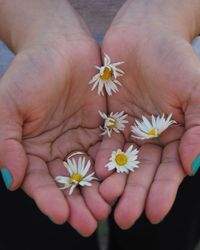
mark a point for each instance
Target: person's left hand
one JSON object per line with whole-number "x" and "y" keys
{"x": 161, "y": 74}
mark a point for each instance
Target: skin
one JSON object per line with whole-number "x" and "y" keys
{"x": 162, "y": 76}
{"x": 45, "y": 103}
{"x": 47, "y": 108}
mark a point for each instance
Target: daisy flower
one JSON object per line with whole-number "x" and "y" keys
{"x": 77, "y": 174}
{"x": 123, "y": 161}
{"x": 107, "y": 77}
{"x": 149, "y": 130}
{"x": 113, "y": 122}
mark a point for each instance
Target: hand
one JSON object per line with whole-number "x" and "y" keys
{"x": 48, "y": 111}
{"x": 161, "y": 76}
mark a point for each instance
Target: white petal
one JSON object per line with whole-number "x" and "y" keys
{"x": 103, "y": 115}
{"x": 107, "y": 60}
{"x": 117, "y": 130}
{"x": 147, "y": 123}
{"x": 129, "y": 149}
{"x": 118, "y": 63}
{"x": 65, "y": 164}
{"x": 62, "y": 179}
{"x": 85, "y": 183}
{"x": 100, "y": 87}
{"x": 95, "y": 84}
{"x": 110, "y": 166}
{"x": 108, "y": 88}
{"x": 117, "y": 82}
{"x": 72, "y": 189}
{"x": 94, "y": 78}
{"x": 69, "y": 167}
{"x": 87, "y": 167}
{"x": 153, "y": 121}
{"x": 139, "y": 132}
{"x": 74, "y": 166}
{"x": 79, "y": 165}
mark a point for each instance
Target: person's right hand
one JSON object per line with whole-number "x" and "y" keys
{"x": 47, "y": 110}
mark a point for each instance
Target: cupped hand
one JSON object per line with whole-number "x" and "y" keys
{"x": 161, "y": 76}
{"x": 47, "y": 112}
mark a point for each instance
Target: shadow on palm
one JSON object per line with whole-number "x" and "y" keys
{"x": 153, "y": 84}
{"x": 56, "y": 114}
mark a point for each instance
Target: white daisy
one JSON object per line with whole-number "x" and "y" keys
{"x": 149, "y": 130}
{"x": 113, "y": 122}
{"x": 77, "y": 174}
{"x": 123, "y": 161}
{"x": 107, "y": 77}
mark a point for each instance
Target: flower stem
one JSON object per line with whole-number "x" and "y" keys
{"x": 158, "y": 142}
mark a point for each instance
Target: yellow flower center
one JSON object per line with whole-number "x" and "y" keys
{"x": 152, "y": 132}
{"x": 121, "y": 159}
{"x": 112, "y": 123}
{"x": 107, "y": 73}
{"x": 75, "y": 177}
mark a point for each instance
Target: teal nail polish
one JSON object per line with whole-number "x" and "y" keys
{"x": 51, "y": 219}
{"x": 7, "y": 177}
{"x": 196, "y": 164}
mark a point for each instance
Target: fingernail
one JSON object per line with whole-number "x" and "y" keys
{"x": 196, "y": 165}
{"x": 51, "y": 219}
{"x": 7, "y": 177}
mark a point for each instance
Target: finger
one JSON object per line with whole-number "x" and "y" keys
{"x": 80, "y": 217}
{"x": 113, "y": 186}
{"x": 107, "y": 146}
{"x": 165, "y": 185}
{"x": 13, "y": 160}
{"x": 190, "y": 144}
{"x": 132, "y": 201}
{"x": 95, "y": 202}
{"x": 190, "y": 150}
{"x": 41, "y": 187}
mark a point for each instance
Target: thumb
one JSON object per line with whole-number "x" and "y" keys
{"x": 190, "y": 143}
{"x": 13, "y": 160}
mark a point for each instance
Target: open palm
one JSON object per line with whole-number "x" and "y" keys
{"x": 47, "y": 112}
{"x": 161, "y": 76}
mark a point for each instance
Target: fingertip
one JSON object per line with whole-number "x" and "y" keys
{"x": 128, "y": 210}
{"x": 155, "y": 217}
{"x": 123, "y": 220}
{"x": 95, "y": 202}
{"x": 14, "y": 163}
{"x": 87, "y": 231}
{"x": 56, "y": 220}
{"x": 84, "y": 223}
{"x": 101, "y": 171}
{"x": 58, "y": 211}
{"x": 112, "y": 187}
{"x": 189, "y": 151}
{"x": 7, "y": 177}
{"x": 158, "y": 205}
{"x": 196, "y": 164}
{"x": 101, "y": 210}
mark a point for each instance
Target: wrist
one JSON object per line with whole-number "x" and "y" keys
{"x": 178, "y": 16}
{"x": 29, "y": 22}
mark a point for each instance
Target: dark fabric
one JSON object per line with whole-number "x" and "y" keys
{"x": 180, "y": 230}
{"x": 24, "y": 227}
